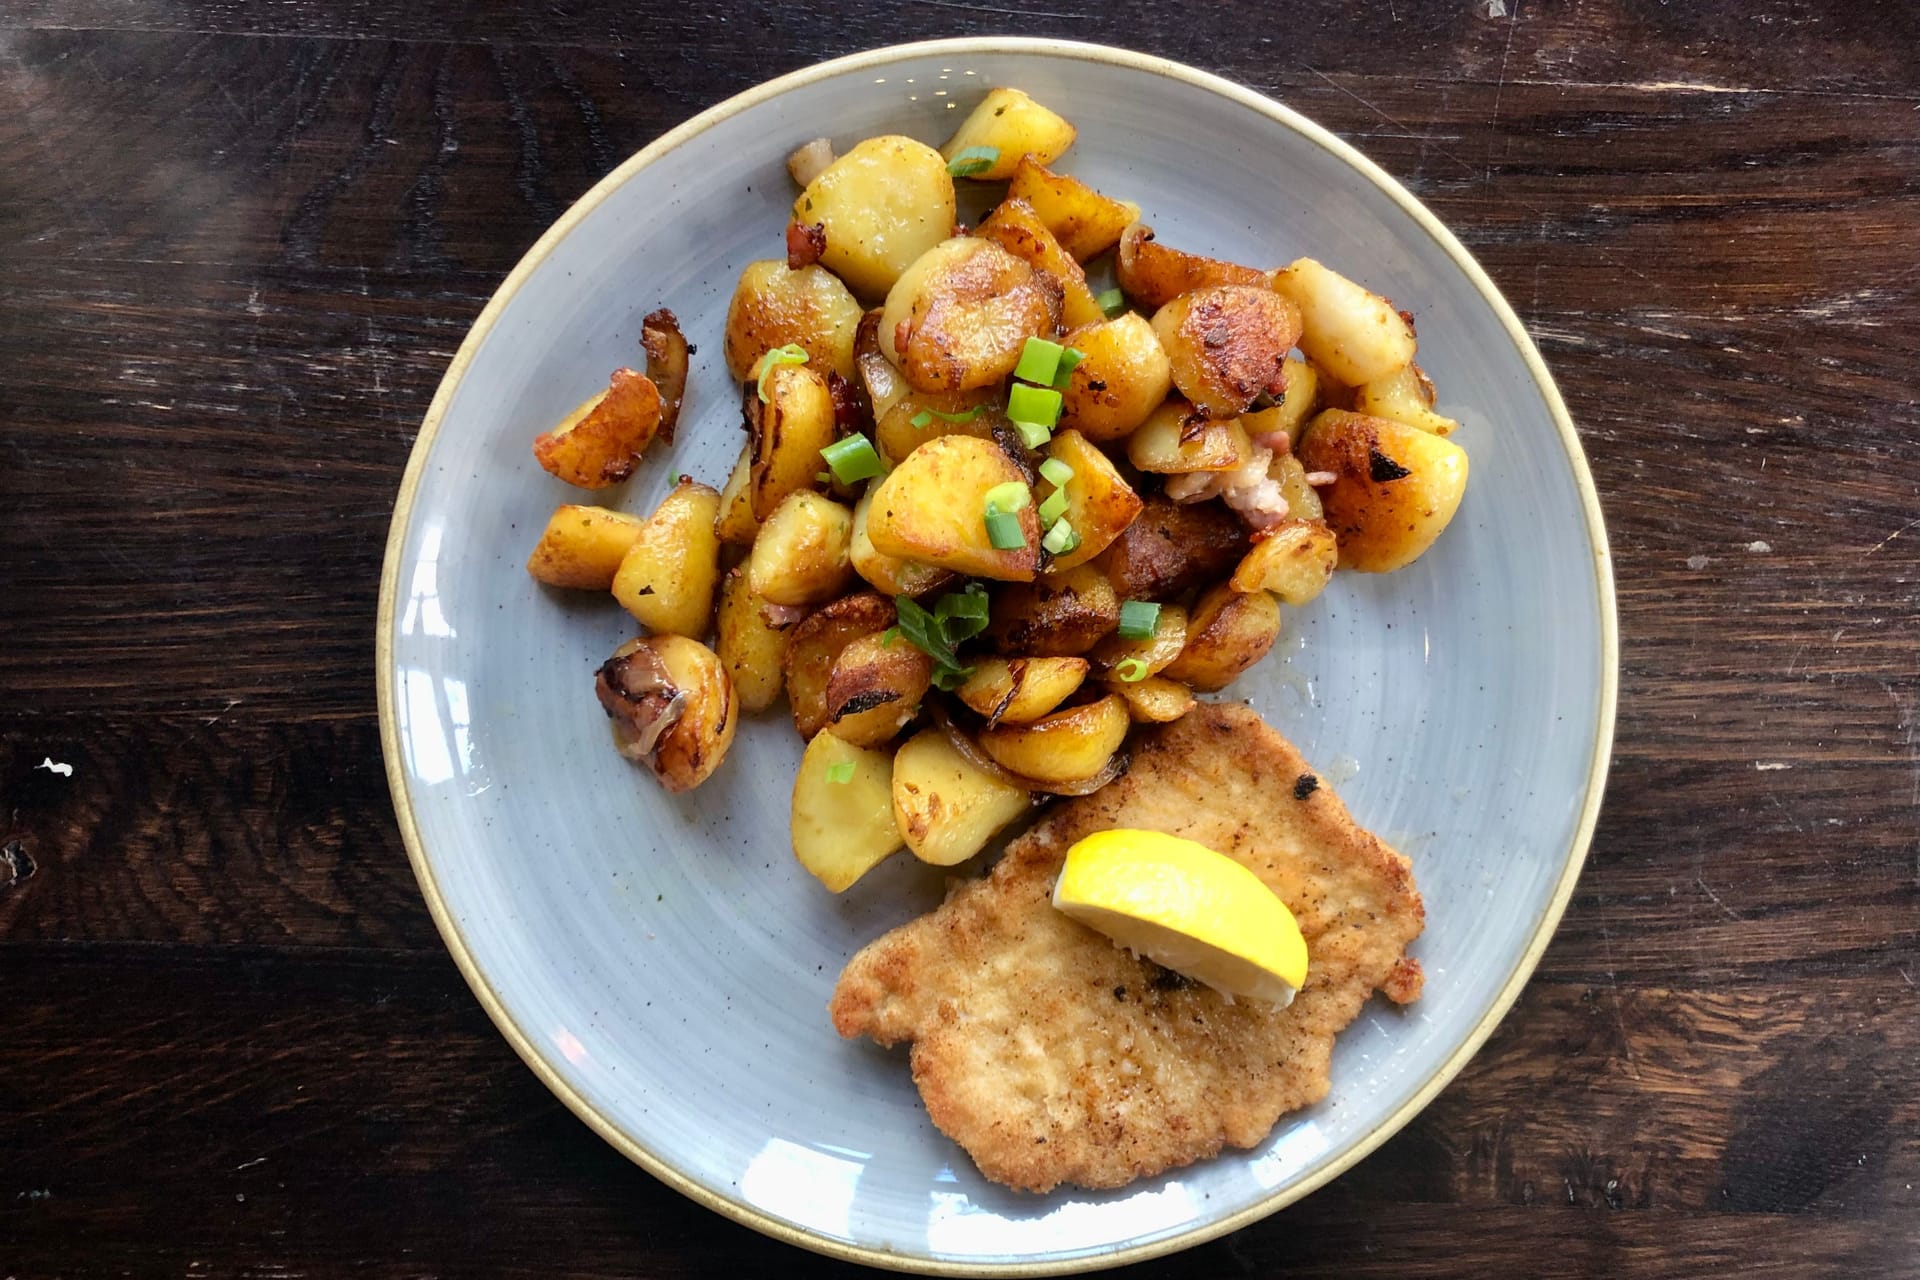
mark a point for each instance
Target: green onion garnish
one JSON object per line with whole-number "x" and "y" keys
{"x": 959, "y": 616}
{"x": 1032, "y": 434}
{"x": 1132, "y": 670}
{"x": 922, "y": 419}
{"x": 1060, "y": 538}
{"x": 1039, "y": 361}
{"x": 1004, "y": 531}
{"x": 1054, "y": 507}
{"x": 973, "y": 160}
{"x": 792, "y": 353}
{"x": 1039, "y": 405}
{"x": 823, "y": 477}
{"x": 840, "y": 771}
{"x": 1139, "y": 619}
{"x": 1069, "y": 358}
{"x": 1112, "y": 301}
{"x": 926, "y": 416}
{"x": 1056, "y": 470}
{"x": 853, "y": 460}
{"x": 1011, "y": 496}
{"x": 962, "y": 615}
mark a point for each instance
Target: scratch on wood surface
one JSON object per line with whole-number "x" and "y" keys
{"x": 1500, "y": 87}
{"x": 1708, "y": 890}
{"x": 1914, "y": 523}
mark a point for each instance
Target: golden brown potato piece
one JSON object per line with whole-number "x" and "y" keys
{"x": 1298, "y": 402}
{"x": 1153, "y": 275}
{"x": 1020, "y": 690}
{"x": 788, "y": 430}
{"x": 1226, "y": 633}
{"x": 1397, "y": 486}
{"x": 1351, "y": 332}
{"x": 881, "y": 205}
{"x": 1100, "y": 503}
{"x": 671, "y": 706}
{"x": 774, "y": 306}
{"x": 1303, "y": 500}
{"x": 751, "y": 645}
{"x": 875, "y": 688}
{"x": 1122, "y": 377}
{"x": 1085, "y": 222}
{"x": 1170, "y": 549}
{"x": 815, "y": 644}
{"x": 947, "y": 807}
{"x": 667, "y": 358}
{"x": 1293, "y": 559}
{"x": 1063, "y": 747}
{"x": 1177, "y": 439}
{"x": 736, "y": 524}
{"x": 667, "y": 578}
{"x": 842, "y": 827}
{"x": 920, "y": 416}
{"x": 599, "y": 444}
{"x": 1015, "y": 227}
{"x": 582, "y": 547}
{"x": 1155, "y": 653}
{"x": 889, "y": 575}
{"x": 1012, "y": 125}
{"x": 1154, "y": 700}
{"x": 959, "y": 316}
{"x": 932, "y": 508}
{"x": 802, "y": 554}
{"x": 1405, "y": 395}
{"x": 1227, "y": 345}
{"x": 1061, "y": 615}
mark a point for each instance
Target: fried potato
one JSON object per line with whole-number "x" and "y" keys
{"x": 667, "y": 578}
{"x": 599, "y": 444}
{"x": 1153, "y": 275}
{"x": 1298, "y": 402}
{"x": 1294, "y": 560}
{"x": 1100, "y": 503}
{"x": 773, "y": 306}
{"x": 881, "y": 205}
{"x": 842, "y": 829}
{"x": 1404, "y": 396}
{"x": 1063, "y": 747}
{"x": 1013, "y": 125}
{"x": 1015, "y": 227}
{"x": 1060, "y": 615}
{"x": 814, "y": 646}
{"x": 920, "y": 416}
{"x": 736, "y": 524}
{"x": 788, "y": 429}
{"x": 1227, "y": 632}
{"x": 875, "y": 689}
{"x": 1020, "y": 690}
{"x": 1154, "y": 653}
{"x": 1351, "y": 332}
{"x": 751, "y": 646}
{"x": 1227, "y": 345}
{"x": 1154, "y": 700}
{"x": 947, "y": 807}
{"x": 1303, "y": 500}
{"x": 1397, "y": 486}
{"x": 582, "y": 547}
{"x": 801, "y": 554}
{"x": 959, "y": 316}
{"x": 932, "y": 508}
{"x": 1177, "y": 439}
{"x": 668, "y": 356}
{"x": 1085, "y": 222}
{"x": 1170, "y": 549}
{"x": 1122, "y": 377}
{"x": 889, "y": 575}
{"x": 671, "y": 706}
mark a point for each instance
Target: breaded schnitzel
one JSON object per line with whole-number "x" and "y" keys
{"x": 1051, "y": 1055}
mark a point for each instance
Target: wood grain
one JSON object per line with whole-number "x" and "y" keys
{"x": 238, "y": 245}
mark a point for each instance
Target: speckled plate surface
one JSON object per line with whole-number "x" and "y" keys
{"x": 664, "y": 965}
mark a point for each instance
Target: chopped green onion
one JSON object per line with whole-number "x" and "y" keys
{"x": 1032, "y": 434}
{"x": 1060, "y": 538}
{"x": 1039, "y": 405}
{"x": 792, "y": 353}
{"x": 967, "y": 416}
{"x": 973, "y": 160}
{"x": 922, "y": 419}
{"x": 1054, "y": 507}
{"x": 1011, "y": 496}
{"x": 853, "y": 460}
{"x": 1070, "y": 357}
{"x": 1112, "y": 301}
{"x": 1004, "y": 531}
{"x": 959, "y": 616}
{"x": 962, "y": 615}
{"x": 823, "y": 477}
{"x": 1056, "y": 470}
{"x": 1039, "y": 361}
{"x": 888, "y": 636}
{"x": 1139, "y": 619}
{"x": 840, "y": 771}
{"x": 1131, "y": 670}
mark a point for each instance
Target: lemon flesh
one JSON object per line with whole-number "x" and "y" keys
{"x": 1184, "y": 906}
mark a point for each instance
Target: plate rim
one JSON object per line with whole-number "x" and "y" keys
{"x": 391, "y": 749}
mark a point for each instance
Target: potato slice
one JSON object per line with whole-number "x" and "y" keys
{"x": 881, "y": 205}
{"x": 920, "y": 416}
{"x": 599, "y": 444}
{"x": 947, "y": 807}
{"x": 1100, "y": 503}
{"x": 1153, "y": 275}
{"x": 842, "y": 829}
{"x": 959, "y": 317}
{"x": 1405, "y": 396}
{"x": 1303, "y": 500}
{"x": 814, "y": 646}
{"x": 1227, "y": 345}
{"x": 1349, "y": 331}
{"x": 773, "y": 306}
{"x": 1397, "y": 486}
{"x": 788, "y": 430}
{"x": 932, "y": 508}
{"x": 1172, "y": 548}
{"x": 1227, "y": 632}
{"x": 751, "y": 646}
{"x": 889, "y": 575}
{"x": 1155, "y": 653}
{"x": 1063, "y": 747}
{"x": 1085, "y": 222}
{"x": 1021, "y": 690}
{"x": 1015, "y": 227}
{"x": 1297, "y": 404}
{"x": 671, "y": 707}
{"x": 736, "y": 524}
{"x": 801, "y": 555}
{"x": 875, "y": 689}
{"x": 1177, "y": 439}
{"x": 1154, "y": 700}
{"x": 667, "y": 578}
{"x": 1061, "y": 615}
{"x": 1013, "y": 125}
{"x": 582, "y": 547}
{"x": 1122, "y": 377}
{"x": 1293, "y": 559}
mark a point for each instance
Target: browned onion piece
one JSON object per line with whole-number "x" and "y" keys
{"x": 971, "y": 752}
{"x": 667, "y": 354}
{"x": 640, "y": 698}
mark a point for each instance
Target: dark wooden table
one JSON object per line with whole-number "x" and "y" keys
{"x": 239, "y": 243}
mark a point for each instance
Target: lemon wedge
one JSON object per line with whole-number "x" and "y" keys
{"x": 1184, "y": 906}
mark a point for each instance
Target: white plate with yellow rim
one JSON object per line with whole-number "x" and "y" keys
{"x": 663, "y": 964}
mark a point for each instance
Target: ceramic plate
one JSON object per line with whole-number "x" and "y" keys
{"x": 664, "y": 965}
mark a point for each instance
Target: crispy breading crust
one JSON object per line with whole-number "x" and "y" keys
{"x": 1052, "y": 1056}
